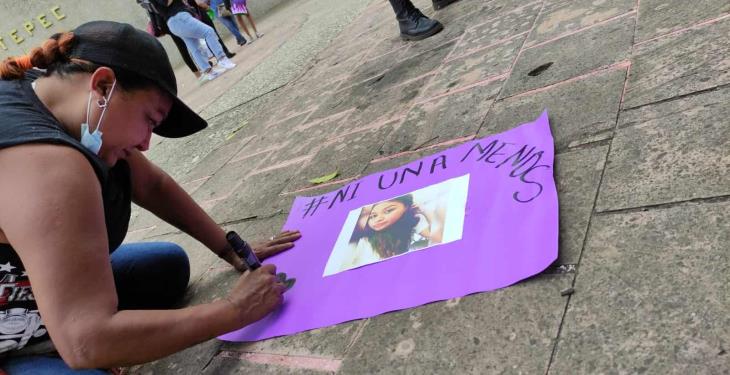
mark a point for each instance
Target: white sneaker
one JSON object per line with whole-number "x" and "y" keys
{"x": 225, "y": 63}
{"x": 209, "y": 76}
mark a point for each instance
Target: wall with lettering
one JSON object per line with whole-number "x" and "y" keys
{"x": 30, "y": 26}
{"x": 26, "y": 24}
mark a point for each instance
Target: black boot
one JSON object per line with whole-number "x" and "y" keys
{"x": 412, "y": 23}
{"x": 416, "y": 26}
{"x": 440, "y": 4}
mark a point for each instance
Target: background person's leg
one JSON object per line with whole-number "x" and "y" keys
{"x": 253, "y": 25}
{"x": 180, "y": 44}
{"x": 239, "y": 18}
{"x": 402, "y": 8}
{"x": 204, "y": 49}
{"x": 183, "y": 26}
{"x": 230, "y": 24}
{"x": 211, "y": 38}
{"x": 150, "y": 275}
{"x": 206, "y": 20}
{"x": 440, "y": 4}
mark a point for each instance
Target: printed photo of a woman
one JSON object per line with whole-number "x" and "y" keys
{"x": 395, "y": 226}
{"x": 399, "y": 225}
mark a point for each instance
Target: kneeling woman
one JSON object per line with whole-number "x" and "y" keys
{"x": 71, "y": 138}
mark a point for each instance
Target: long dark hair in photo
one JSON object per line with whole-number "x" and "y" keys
{"x": 395, "y": 239}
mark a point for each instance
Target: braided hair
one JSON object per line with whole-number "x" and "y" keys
{"x": 53, "y": 57}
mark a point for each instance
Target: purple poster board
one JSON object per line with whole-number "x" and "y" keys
{"x": 478, "y": 217}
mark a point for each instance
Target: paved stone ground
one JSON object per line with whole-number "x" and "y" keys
{"x": 638, "y": 97}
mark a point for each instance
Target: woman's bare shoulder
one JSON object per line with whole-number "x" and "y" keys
{"x": 43, "y": 173}
{"x": 30, "y": 157}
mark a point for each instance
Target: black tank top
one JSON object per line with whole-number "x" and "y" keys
{"x": 169, "y": 11}
{"x": 24, "y": 119}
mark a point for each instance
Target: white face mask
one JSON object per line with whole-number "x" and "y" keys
{"x": 92, "y": 141}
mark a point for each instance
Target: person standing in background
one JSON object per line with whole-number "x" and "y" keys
{"x": 238, "y": 7}
{"x": 227, "y": 21}
{"x": 180, "y": 21}
{"x": 200, "y": 7}
{"x": 158, "y": 29}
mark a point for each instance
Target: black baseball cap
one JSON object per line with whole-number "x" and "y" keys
{"x": 121, "y": 45}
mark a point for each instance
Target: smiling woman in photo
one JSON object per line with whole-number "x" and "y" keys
{"x": 389, "y": 228}
{"x": 396, "y": 226}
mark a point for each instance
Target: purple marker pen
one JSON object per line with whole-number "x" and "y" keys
{"x": 243, "y": 249}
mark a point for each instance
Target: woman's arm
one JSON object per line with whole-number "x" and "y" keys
{"x": 53, "y": 217}
{"x": 157, "y": 192}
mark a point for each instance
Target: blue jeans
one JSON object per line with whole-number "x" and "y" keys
{"x": 147, "y": 275}
{"x": 190, "y": 30}
{"x": 43, "y": 365}
{"x": 230, "y": 24}
{"x": 150, "y": 275}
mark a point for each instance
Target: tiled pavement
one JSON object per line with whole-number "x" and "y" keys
{"x": 638, "y": 96}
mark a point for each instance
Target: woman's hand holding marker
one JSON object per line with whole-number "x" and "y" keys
{"x": 263, "y": 249}
{"x": 256, "y": 294}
